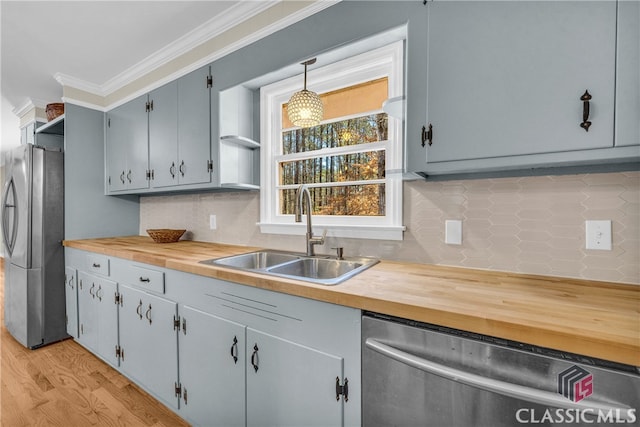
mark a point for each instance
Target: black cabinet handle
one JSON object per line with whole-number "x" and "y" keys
{"x": 147, "y": 314}
{"x": 122, "y": 177}
{"x": 139, "y": 310}
{"x": 585, "y": 98}
{"x": 144, "y": 279}
{"x": 234, "y": 350}
{"x": 182, "y": 168}
{"x": 98, "y": 294}
{"x": 129, "y": 176}
{"x": 172, "y": 170}
{"x": 96, "y": 265}
{"x": 93, "y": 295}
{"x": 254, "y": 358}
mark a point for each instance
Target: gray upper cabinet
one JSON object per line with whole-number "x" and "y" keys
{"x": 163, "y": 135}
{"x": 194, "y": 139}
{"x": 504, "y": 85}
{"x": 179, "y": 140}
{"x": 628, "y": 75}
{"x": 127, "y": 149}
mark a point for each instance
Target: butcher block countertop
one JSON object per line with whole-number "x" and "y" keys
{"x": 597, "y": 319}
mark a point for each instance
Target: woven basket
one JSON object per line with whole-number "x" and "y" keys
{"x": 54, "y": 110}
{"x": 165, "y": 235}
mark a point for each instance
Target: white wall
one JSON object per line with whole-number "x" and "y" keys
{"x": 9, "y": 129}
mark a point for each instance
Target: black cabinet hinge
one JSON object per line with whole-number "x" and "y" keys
{"x": 148, "y": 106}
{"x": 342, "y": 390}
{"x": 119, "y": 353}
{"x": 184, "y": 395}
{"x": 209, "y": 82}
{"x": 209, "y": 166}
{"x": 427, "y": 135}
{"x": 109, "y": 122}
{"x": 150, "y": 174}
{"x": 184, "y": 326}
{"x": 118, "y": 298}
{"x": 176, "y": 323}
{"x": 178, "y": 390}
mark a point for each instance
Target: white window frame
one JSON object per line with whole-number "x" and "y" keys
{"x": 386, "y": 61}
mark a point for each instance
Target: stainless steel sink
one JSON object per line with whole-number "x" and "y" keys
{"x": 254, "y": 260}
{"x": 320, "y": 269}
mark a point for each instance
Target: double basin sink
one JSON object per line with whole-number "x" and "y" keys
{"x": 319, "y": 269}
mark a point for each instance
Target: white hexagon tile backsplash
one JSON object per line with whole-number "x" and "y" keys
{"x": 525, "y": 224}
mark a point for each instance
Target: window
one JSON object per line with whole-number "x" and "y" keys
{"x": 349, "y": 161}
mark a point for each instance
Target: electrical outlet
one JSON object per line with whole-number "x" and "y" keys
{"x": 453, "y": 232}
{"x": 598, "y": 235}
{"x": 212, "y": 222}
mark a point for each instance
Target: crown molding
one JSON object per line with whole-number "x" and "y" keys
{"x": 81, "y": 103}
{"x": 29, "y": 105}
{"x": 76, "y": 83}
{"x": 231, "y": 17}
{"x": 216, "y": 26}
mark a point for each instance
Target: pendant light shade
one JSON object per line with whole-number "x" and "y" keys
{"x": 305, "y": 107}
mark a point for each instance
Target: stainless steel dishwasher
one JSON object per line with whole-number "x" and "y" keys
{"x": 415, "y": 374}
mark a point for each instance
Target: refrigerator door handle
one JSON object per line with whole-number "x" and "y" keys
{"x": 9, "y": 235}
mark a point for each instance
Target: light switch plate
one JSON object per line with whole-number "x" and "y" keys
{"x": 598, "y": 235}
{"x": 212, "y": 222}
{"x": 453, "y": 232}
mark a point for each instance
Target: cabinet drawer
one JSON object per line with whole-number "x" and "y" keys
{"x": 98, "y": 264}
{"x": 146, "y": 278}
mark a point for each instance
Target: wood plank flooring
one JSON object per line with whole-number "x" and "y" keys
{"x": 64, "y": 385}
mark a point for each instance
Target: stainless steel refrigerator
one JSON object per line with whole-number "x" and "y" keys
{"x": 33, "y": 229}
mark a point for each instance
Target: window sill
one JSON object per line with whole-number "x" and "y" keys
{"x": 348, "y": 231}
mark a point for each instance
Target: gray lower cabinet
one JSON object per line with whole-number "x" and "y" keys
{"x": 148, "y": 344}
{"x": 289, "y": 384}
{"x": 212, "y": 369}
{"x": 219, "y": 353}
{"x": 71, "y": 300}
{"x": 98, "y": 315}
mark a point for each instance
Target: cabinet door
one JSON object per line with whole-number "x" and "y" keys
{"x": 163, "y": 135}
{"x": 293, "y": 385}
{"x": 194, "y": 139}
{"x": 71, "y": 301}
{"x": 98, "y": 315}
{"x": 212, "y": 369}
{"x": 628, "y": 74}
{"x": 115, "y": 152}
{"x": 149, "y": 342}
{"x": 87, "y": 315}
{"x": 106, "y": 319}
{"x": 128, "y": 146}
{"x": 506, "y": 78}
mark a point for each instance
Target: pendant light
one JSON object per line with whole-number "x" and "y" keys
{"x": 305, "y": 107}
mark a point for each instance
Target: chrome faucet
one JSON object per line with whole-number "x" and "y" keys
{"x": 303, "y": 192}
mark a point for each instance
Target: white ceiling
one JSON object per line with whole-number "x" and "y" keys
{"x": 93, "y": 42}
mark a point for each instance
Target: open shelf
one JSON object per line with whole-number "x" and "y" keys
{"x": 239, "y": 186}
{"x": 54, "y": 127}
{"x": 240, "y": 140}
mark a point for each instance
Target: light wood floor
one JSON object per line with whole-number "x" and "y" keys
{"x": 64, "y": 385}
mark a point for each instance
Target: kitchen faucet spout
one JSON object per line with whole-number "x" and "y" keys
{"x": 303, "y": 196}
